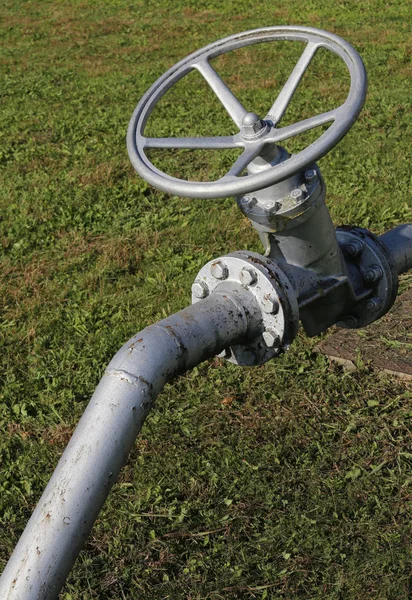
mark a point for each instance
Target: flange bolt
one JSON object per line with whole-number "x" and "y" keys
{"x": 269, "y": 304}
{"x": 374, "y": 304}
{"x": 351, "y": 321}
{"x": 311, "y": 175}
{"x": 200, "y": 289}
{"x": 354, "y": 248}
{"x": 248, "y": 203}
{"x": 296, "y": 194}
{"x": 247, "y": 276}
{"x": 373, "y": 274}
{"x": 219, "y": 270}
{"x": 271, "y": 338}
{"x": 272, "y": 206}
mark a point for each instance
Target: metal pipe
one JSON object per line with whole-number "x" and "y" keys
{"x": 107, "y": 430}
{"x": 399, "y": 243}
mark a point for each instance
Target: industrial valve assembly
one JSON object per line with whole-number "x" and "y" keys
{"x": 246, "y": 306}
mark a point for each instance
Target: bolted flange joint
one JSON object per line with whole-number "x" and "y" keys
{"x": 272, "y": 294}
{"x": 373, "y": 276}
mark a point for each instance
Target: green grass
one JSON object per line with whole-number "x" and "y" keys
{"x": 291, "y": 480}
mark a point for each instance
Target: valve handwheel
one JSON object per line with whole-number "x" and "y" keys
{"x": 254, "y": 133}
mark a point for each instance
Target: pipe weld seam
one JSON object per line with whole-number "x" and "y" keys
{"x": 174, "y": 335}
{"x": 128, "y": 377}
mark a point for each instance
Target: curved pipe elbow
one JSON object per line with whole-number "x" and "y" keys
{"x": 106, "y": 432}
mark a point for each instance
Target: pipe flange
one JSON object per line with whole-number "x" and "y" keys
{"x": 275, "y": 297}
{"x": 376, "y": 275}
{"x": 285, "y": 205}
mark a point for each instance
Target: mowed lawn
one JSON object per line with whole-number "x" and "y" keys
{"x": 285, "y": 481}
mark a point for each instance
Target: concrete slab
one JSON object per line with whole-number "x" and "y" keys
{"x": 384, "y": 345}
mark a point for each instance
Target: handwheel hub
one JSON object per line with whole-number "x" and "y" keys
{"x": 253, "y": 127}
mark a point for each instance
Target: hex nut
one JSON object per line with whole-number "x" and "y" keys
{"x": 354, "y": 248}
{"x": 200, "y": 289}
{"x": 351, "y": 321}
{"x": 272, "y": 206}
{"x": 271, "y": 338}
{"x": 219, "y": 270}
{"x": 373, "y": 274}
{"x": 311, "y": 175}
{"x": 374, "y": 304}
{"x": 251, "y": 125}
{"x": 296, "y": 194}
{"x": 248, "y": 203}
{"x": 270, "y": 304}
{"x": 247, "y": 276}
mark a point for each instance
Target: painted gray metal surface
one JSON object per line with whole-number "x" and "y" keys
{"x": 274, "y": 294}
{"x": 399, "y": 243}
{"x": 294, "y": 223}
{"x": 374, "y": 276}
{"x": 342, "y": 118}
{"x": 106, "y": 432}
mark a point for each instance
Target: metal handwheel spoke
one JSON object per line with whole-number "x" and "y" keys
{"x": 286, "y": 94}
{"x": 243, "y": 161}
{"x": 235, "y": 108}
{"x": 218, "y": 142}
{"x": 285, "y": 133}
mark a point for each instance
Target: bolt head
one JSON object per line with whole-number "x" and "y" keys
{"x": 272, "y": 206}
{"x": 311, "y": 175}
{"x": 296, "y": 194}
{"x": 248, "y": 203}
{"x": 271, "y": 338}
{"x": 374, "y": 304}
{"x": 247, "y": 276}
{"x": 200, "y": 289}
{"x": 219, "y": 270}
{"x": 354, "y": 248}
{"x": 270, "y": 304}
{"x": 373, "y": 274}
{"x": 351, "y": 321}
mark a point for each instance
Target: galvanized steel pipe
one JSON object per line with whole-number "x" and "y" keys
{"x": 107, "y": 430}
{"x": 399, "y": 243}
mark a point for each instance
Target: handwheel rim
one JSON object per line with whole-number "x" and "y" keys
{"x": 343, "y": 117}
